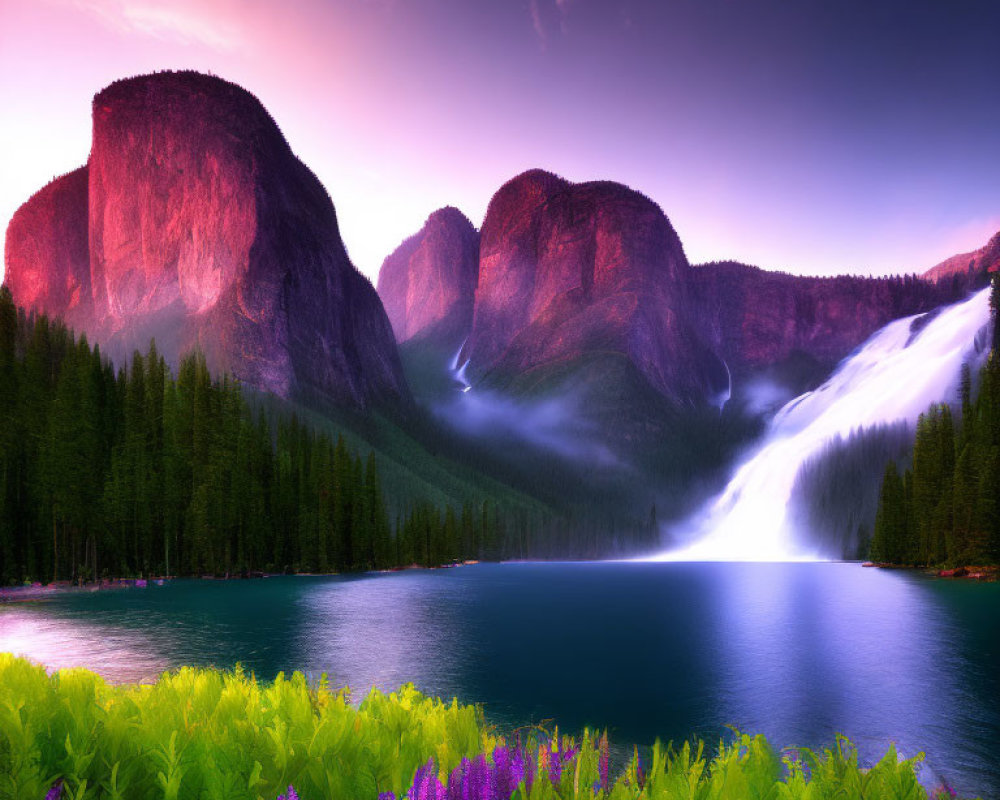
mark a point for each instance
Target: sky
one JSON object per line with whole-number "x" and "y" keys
{"x": 812, "y": 136}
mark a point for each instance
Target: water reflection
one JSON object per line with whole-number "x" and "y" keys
{"x": 118, "y": 653}
{"x": 829, "y": 648}
{"x": 799, "y": 652}
{"x": 399, "y": 629}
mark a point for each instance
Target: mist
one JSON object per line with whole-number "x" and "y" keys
{"x": 898, "y": 373}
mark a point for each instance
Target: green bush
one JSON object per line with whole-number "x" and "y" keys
{"x": 204, "y": 734}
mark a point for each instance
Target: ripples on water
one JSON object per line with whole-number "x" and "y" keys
{"x": 799, "y": 652}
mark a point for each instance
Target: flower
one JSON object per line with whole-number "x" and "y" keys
{"x": 508, "y": 772}
{"x": 292, "y": 794}
{"x": 56, "y": 791}
{"x": 426, "y": 785}
{"x": 604, "y": 762}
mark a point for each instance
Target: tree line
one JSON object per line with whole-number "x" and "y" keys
{"x": 138, "y": 471}
{"x": 835, "y": 496}
{"x": 945, "y": 508}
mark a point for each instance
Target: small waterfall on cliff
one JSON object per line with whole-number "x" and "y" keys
{"x": 458, "y": 370}
{"x": 900, "y": 371}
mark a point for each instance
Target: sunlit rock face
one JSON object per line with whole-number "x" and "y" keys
{"x": 571, "y": 269}
{"x": 985, "y": 259}
{"x": 428, "y": 283}
{"x": 571, "y": 273}
{"x": 205, "y": 230}
{"x": 755, "y": 318}
{"x": 47, "y": 259}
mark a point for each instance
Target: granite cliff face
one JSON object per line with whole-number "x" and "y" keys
{"x": 205, "y": 230}
{"x": 47, "y": 259}
{"x": 968, "y": 265}
{"x": 567, "y": 270}
{"x": 755, "y": 319}
{"x": 428, "y": 283}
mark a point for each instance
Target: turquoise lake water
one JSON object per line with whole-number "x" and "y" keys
{"x": 798, "y": 652}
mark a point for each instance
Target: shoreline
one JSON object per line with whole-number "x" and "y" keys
{"x": 43, "y": 591}
{"x": 979, "y": 573}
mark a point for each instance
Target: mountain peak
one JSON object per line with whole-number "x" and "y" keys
{"x": 205, "y": 231}
{"x": 429, "y": 281}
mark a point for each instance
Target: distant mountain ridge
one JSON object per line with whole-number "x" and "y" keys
{"x": 430, "y": 279}
{"x": 985, "y": 259}
{"x": 569, "y": 270}
{"x": 203, "y": 229}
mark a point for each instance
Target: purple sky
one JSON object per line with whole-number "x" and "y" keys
{"x": 816, "y": 137}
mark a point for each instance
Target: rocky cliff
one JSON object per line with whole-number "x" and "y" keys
{"x": 205, "y": 230}
{"x": 755, "y": 319}
{"x": 428, "y": 283}
{"x": 567, "y": 270}
{"x": 968, "y": 265}
{"x": 46, "y": 253}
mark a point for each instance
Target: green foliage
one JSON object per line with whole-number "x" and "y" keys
{"x": 946, "y": 510}
{"x": 836, "y": 493}
{"x": 207, "y": 734}
{"x": 211, "y": 735}
{"x": 106, "y": 474}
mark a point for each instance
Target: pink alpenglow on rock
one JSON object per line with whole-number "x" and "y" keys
{"x": 47, "y": 251}
{"x": 429, "y": 282}
{"x": 204, "y": 230}
{"x": 567, "y": 269}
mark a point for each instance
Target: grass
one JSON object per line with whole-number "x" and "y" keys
{"x": 210, "y": 735}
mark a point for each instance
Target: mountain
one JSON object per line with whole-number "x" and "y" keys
{"x": 47, "y": 252}
{"x": 428, "y": 283}
{"x": 595, "y": 355}
{"x": 985, "y": 259}
{"x": 573, "y": 274}
{"x": 759, "y": 320}
{"x": 568, "y": 270}
{"x": 203, "y": 229}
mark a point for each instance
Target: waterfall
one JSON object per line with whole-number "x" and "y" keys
{"x": 458, "y": 371}
{"x": 898, "y": 373}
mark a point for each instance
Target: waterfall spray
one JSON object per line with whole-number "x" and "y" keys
{"x": 898, "y": 373}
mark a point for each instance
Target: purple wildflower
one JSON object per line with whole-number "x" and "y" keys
{"x": 387, "y": 796}
{"x": 56, "y": 791}
{"x": 472, "y": 780}
{"x": 604, "y": 762}
{"x": 456, "y": 781}
{"x": 529, "y": 769}
{"x": 426, "y": 785}
{"x": 508, "y": 772}
{"x": 481, "y": 780}
{"x": 944, "y": 791}
{"x": 552, "y": 761}
{"x": 292, "y": 794}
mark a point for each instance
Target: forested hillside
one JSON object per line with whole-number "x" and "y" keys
{"x": 835, "y": 497}
{"x": 946, "y": 508}
{"x": 140, "y": 471}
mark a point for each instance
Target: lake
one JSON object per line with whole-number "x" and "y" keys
{"x": 798, "y": 652}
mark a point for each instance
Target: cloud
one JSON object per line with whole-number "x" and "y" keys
{"x": 548, "y": 16}
{"x": 188, "y": 22}
{"x": 554, "y": 424}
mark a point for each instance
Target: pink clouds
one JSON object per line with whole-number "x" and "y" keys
{"x": 214, "y": 24}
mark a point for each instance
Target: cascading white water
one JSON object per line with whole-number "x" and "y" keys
{"x": 458, "y": 372}
{"x": 895, "y": 376}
